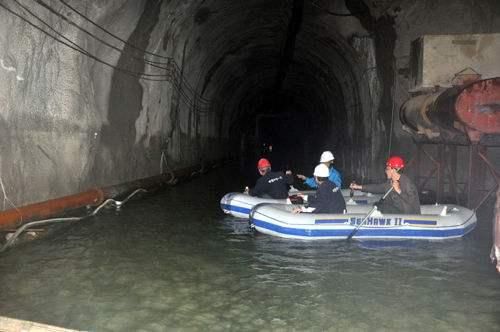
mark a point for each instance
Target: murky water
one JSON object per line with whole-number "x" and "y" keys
{"x": 175, "y": 262}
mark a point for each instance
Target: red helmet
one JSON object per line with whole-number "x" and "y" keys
{"x": 395, "y": 162}
{"x": 263, "y": 163}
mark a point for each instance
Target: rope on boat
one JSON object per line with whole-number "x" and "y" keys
{"x": 117, "y": 204}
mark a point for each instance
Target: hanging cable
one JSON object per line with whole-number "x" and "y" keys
{"x": 111, "y": 34}
{"x": 333, "y": 13}
{"x": 170, "y": 61}
{"x": 51, "y": 28}
{"x": 172, "y": 77}
{"x": 7, "y": 199}
{"x": 21, "y": 229}
{"x": 64, "y": 18}
{"x": 86, "y": 53}
{"x": 72, "y": 23}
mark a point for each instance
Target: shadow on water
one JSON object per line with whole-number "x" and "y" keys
{"x": 174, "y": 261}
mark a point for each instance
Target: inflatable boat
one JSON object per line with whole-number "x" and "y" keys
{"x": 239, "y": 204}
{"x": 436, "y": 222}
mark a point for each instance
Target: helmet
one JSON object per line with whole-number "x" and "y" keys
{"x": 322, "y": 171}
{"x": 326, "y": 156}
{"x": 263, "y": 163}
{"x": 395, "y": 162}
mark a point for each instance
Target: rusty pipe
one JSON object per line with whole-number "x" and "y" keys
{"x": 455, "y": 115}
{"x": 427, "y": 117}
{"x": 13, "y": 218}
{"x": 151, "y": 183}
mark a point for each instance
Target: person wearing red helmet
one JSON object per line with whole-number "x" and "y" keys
{"x": 270, "y": 184}
{"x": 404, "y": 196}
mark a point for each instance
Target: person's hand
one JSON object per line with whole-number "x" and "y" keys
{"x": 288, "y": 172}
{"x": 297, "y": 210}
{"x": 355, "y": 186}
{"x": 396, "y": 185}
{"x": 304, "y": 197}
{"x": 300, "y": 176}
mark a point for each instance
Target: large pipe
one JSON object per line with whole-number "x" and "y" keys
{"x": 455, "y": 115}
{"x": 13, "y": 218}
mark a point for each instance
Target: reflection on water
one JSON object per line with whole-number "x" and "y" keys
{"x": 175, "y": 262}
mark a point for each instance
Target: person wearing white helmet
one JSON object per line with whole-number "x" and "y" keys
{"x": 328, "y": 198}
{"x": 334, "y": 176}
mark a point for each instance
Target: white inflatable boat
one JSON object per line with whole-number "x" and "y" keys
{"x": 239, "y": 204}
{"x": 436, "y": 222}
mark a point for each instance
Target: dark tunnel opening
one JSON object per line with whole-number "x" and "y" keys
{"x": 297, "y": 90}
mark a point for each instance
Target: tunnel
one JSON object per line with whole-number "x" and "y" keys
{"x": 101, "y": 97}
{"x": 103, "y": 103}
{"x": 175, "y": 84}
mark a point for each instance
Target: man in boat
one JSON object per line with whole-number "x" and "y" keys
{"x": 334, "y": 176}
{"x": 270, "y": 184}
{"x": 404, "y": 196}
{"x": 328, "y": 198}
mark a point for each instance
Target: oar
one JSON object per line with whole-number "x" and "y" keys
{"x": 368, "y": 215}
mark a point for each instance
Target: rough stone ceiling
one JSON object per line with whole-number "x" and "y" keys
{"x": 257, "y": 57}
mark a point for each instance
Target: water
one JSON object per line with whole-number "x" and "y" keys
{"x": 174, "y": 262}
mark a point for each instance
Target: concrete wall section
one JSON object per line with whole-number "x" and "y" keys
{"x": 49, "y": 119}
{"x": 413, "y": 19}
{"x": 71, "y": 121}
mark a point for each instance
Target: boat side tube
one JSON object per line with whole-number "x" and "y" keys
{"x": 436, "y": 222}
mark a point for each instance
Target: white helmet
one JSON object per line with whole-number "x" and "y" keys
{"x": 321, "y": 171}
{"x": 326, "y": 156}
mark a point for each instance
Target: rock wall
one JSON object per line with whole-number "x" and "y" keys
{"x": 142, "y": 87}
{"x": 71, "y": 121}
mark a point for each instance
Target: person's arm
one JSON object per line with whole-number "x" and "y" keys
{"x": 317, "y": 201}
{"x": 258, "y": 189}
{"x": 335, "y": 177}
{"x": 375, "y": 188}
{"x": 311, "y": 182}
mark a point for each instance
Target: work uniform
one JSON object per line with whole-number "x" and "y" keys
{"x": 407, "y": 202}
{"x": 328, "y": 199}
{"x": 272, "y": 185}
{"x": 334, "y": 176}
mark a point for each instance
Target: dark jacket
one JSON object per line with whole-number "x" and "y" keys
{"x": 407, "y": 202}
{"x": 272, "y": 185}
{"x": 328, "y": 199}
